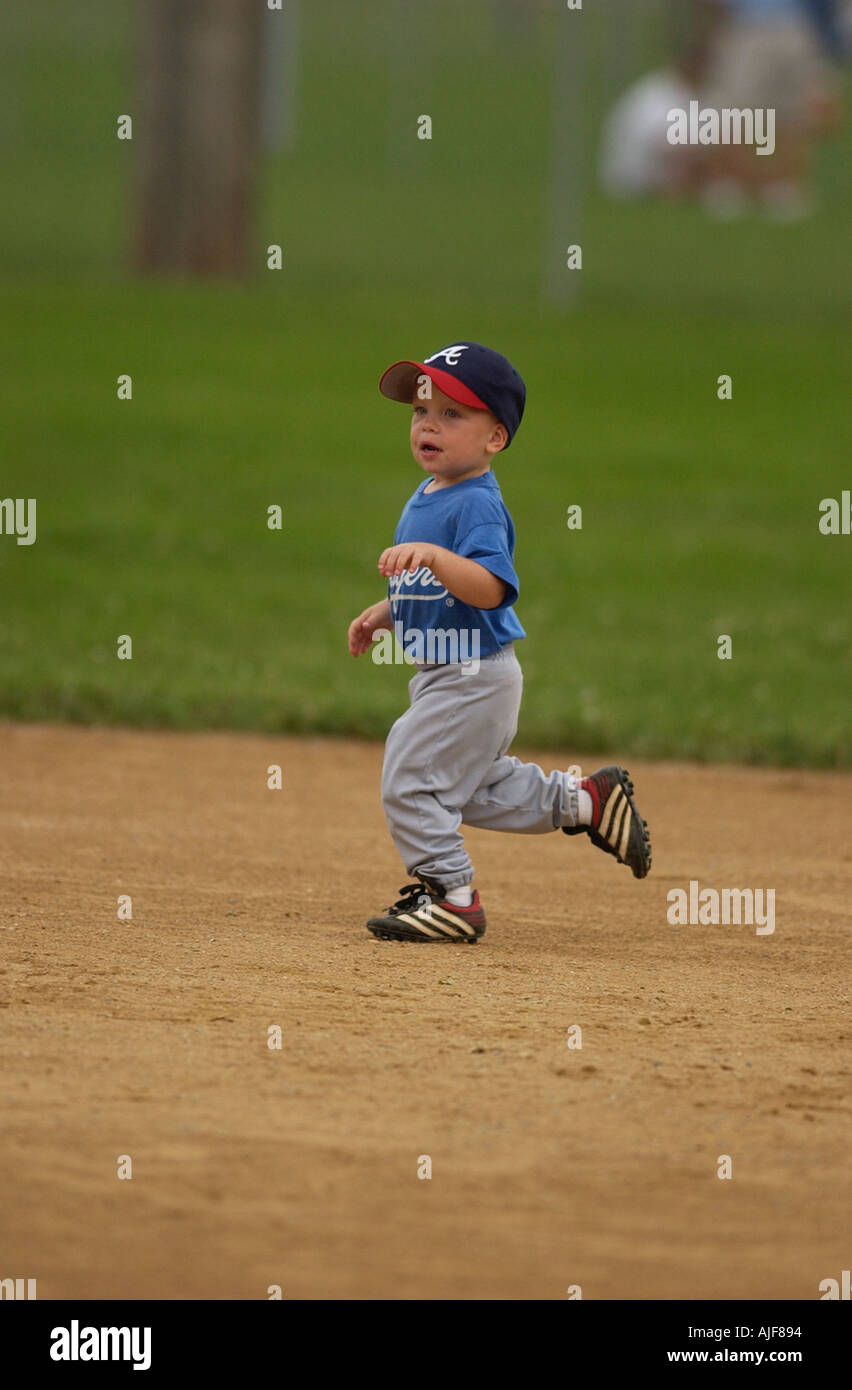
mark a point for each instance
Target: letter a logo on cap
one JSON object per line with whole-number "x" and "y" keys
{"x": 449, "y": 354}
{"x": 472, "y": 374}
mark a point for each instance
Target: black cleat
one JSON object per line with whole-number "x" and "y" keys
{"x": 617, "y": 827}
{"x": 421, "y": 914}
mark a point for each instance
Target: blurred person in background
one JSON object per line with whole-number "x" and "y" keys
{"x": 833, "y": 23}
{"x": 636, "y": 158}
{"x": 773, "y": 54}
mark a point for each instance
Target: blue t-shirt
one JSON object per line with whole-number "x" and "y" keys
{"x": 471, "y": 519}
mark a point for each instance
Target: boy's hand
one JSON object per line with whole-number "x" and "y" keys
{"x": 361, "y": 629}
{"x": 408, "y": 556}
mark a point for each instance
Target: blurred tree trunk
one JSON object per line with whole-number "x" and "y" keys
{"x": 196, "y": 131}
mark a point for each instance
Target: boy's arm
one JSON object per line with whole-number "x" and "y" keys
{"x": 465, "y": 579}
{"x": 381, "y": 613}
{"x": 361, "y": 629}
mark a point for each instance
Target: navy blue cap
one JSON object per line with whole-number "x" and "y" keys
{"x": 468, "y": 373}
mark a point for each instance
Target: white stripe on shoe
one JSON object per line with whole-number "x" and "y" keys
{"x": 448, "y": 927}
{"x": 625, "y": 834}
{"x": 414, "y": 920}
{"x": 451, "y": 918}
{"x": 620, "y": 819}
{"x": 609, "y": 809}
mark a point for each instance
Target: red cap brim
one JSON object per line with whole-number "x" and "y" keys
{"x": 399, "y": 383}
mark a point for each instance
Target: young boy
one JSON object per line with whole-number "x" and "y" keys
{"x": 451, "y": 572}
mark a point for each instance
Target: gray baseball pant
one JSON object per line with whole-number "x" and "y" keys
{"x": 446, "y": 765}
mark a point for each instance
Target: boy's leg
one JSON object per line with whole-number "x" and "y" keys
{"x": 522, "y": 799}
{"x": 519, "y": 798}
{"x": 446, "y": 764}
{"x": 615, "y": 824}
{"x": 438, "y": 753}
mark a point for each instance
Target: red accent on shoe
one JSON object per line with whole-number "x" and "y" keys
{"x": 473, "y": 906}
{"x": 590, "y": 785}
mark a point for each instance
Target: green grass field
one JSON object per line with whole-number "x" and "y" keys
{"x": 699, "y": 516}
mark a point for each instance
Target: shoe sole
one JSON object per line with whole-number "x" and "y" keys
{"x": 424, "y": 940}
{"x": 386, "y": 933}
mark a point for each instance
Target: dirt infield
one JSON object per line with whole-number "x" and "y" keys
{"x": 552, "y": 1166}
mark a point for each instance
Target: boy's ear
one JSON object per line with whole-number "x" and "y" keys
{"x": 505, "y": 433}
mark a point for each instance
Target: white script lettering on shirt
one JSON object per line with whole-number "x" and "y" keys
{"x": 421, "y": 578}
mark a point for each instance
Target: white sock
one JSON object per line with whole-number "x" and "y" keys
{"x": 585, "y": 807}
{"x": 461, "y": 897}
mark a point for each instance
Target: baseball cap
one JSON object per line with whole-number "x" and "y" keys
{"x": 469, "y": 373}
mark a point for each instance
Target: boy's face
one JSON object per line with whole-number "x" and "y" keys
{"x": 453, "y": 441}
